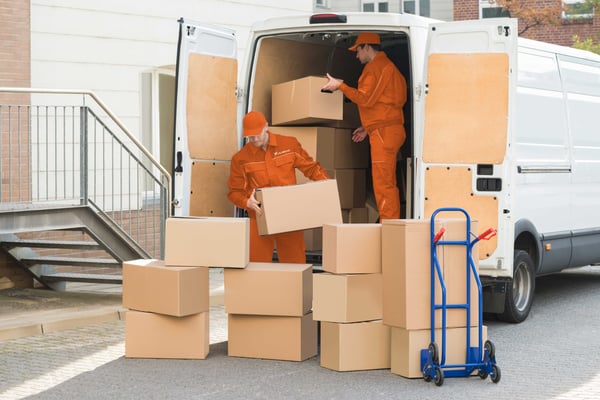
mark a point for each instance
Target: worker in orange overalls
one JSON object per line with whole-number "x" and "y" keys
{"x": 380, "y": 97}
{"x": 269, "y": 159}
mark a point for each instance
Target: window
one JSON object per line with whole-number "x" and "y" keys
{"x": 489, "y": 9}
{"x": 417, "y": 7}
{"x": 577, "y": 9}
{"x": 371, "y": 6}
{"x": 322, "y": 3}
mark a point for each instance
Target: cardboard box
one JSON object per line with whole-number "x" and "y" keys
{"x": 272, "y": 337}
{"x": 355, "y": 347}
{"x": 150, "y": 335}
{"x": 358, "y": 216}
{"x": 347, "y": 298}
{"x": 406, "y": 346}
{"x": 207, "y": 241}
{"x": 298, "y": 207}
{"x": 313, "y": 238}
{"x": 352, "y": 186}
{"x": 352, "y": 248}
{"x": 269, "y": 289}
{"x": 406, "y": 267}
{"x": 149, "y": 285}
{"x": 301, "y": 102}
{"x": 333, "y": 148}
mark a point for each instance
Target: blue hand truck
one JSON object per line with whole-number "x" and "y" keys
{"x": 480, "y": 358}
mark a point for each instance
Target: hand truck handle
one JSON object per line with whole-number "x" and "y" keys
{"x": 487, "y": 235}
{"x": 439, "y": 235}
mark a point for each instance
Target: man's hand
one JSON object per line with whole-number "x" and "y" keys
{"x": 332, "y": 84}
{"x": 359, "y": 134}
{"x": 253, "y": 204}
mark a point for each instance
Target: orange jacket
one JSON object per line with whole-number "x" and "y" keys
{"x": 253, "y": 168}
{"x": 380, "y": 95}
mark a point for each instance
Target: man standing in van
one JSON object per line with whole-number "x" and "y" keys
{"x": 269, "y": 159}
{"x": 380, "y": 97}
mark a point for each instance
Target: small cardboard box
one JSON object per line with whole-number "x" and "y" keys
{"x": 406, "y": 267}
{"x": 272, "y": 337}
{"x": 347, "y": 298}
{"x": 269, "y": 289}
{"x": 150, "y": 335}
{"x": 207, "y": 241}
{"x": 406, "y": 346}
{"x": 301, "y": 102}
{"x": 149, "y": 285}
{"x": 352, "y": 248}
{"x": 298, "y": 207}
{"x": 355, "y": 347}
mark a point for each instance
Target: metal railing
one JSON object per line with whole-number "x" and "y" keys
{"x": 81, "y": 154}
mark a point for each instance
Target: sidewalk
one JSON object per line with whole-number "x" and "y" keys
{"x": 27, "y": 312}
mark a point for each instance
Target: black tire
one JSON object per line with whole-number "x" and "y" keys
{"x": 435, "y": 353}
{"x": 519, "y": 293}
{"x": 439, "y": 376}
{"x": 495, "y": 375}
{"x": 482, "y": 374}
{"x": 490, "y": 348}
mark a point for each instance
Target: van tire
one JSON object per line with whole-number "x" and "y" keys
{"x": 519, "y": 292}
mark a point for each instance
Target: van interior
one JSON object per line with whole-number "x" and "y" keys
{"x": 293, "y": 56}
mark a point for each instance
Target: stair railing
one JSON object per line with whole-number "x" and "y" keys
{"x": 81, "y": 154}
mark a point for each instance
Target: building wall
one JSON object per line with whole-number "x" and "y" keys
{"x": 561, "y": 34}
{"x": 15, "y": 48}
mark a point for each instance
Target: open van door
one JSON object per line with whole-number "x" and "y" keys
{"x": 205, "y": 119}
{"x": 470, "y": 83}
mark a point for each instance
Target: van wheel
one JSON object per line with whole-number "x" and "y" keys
{"x": 519, "y": 293}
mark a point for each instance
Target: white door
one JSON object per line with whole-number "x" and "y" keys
{"x": 205, "y": 119}
{"x": 470, "y": 75}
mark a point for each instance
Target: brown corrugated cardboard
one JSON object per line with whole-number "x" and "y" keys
{"x": 207, "y": 241}
{"x": 150, "y": 335}
{"x": 358, "y": 216}
{"x": 272, "y": 337}
{"x": 151, "y": 286}
{"x": 406, "y": 268}
{"x": 269, "y": 289}
{"x": 347, "y": 298}
{"x": 301, "y": 102}
{"x": 313, "y": 238}
{"x": 352, "y": 183}
{"x": 354, "y": 347}
{"x": 298, "y": 207}
{"x": 406, "y": 346}
{"x": 352, "y": 248}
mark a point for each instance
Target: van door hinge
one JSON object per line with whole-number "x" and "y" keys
{"x": 239, "y": 93}
{"x": 418, "y": 92}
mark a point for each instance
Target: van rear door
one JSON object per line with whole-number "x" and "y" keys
{"x": 205, "y": 119}
{"x": 470, "y": 75}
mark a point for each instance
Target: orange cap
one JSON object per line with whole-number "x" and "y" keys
{"x": 254, "y": 122}
{"x": 365, "y": 38}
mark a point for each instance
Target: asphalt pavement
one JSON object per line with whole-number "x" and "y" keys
{"x": 552, "y": 355}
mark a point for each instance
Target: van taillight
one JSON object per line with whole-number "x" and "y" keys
{"x": 326, "y": 18}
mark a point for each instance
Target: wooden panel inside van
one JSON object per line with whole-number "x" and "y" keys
{"x": 208, "y": 194}
{"x": 466, "y": 109}
{"x": 452, "y": 187}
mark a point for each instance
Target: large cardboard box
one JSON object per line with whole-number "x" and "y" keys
{"x": 150, "y": 285}
{"x": 355, "y": 347}
{"x": 406, "y": 267}
{"x": 352, "y": 248}
{"x": 333, "y": 148}
{"x": 313, "y": 239}
{"x": 298, "y": 207}
{"x": 301, "y": 102}
{"x": 269, "y": 289}
{"x": 150, "y": 335}
{"x": 352, "y": 186}
{"x": 347, "y": 298}
{"x": 207, "y": 241}
{"x": 406, "y": 346}
{"x": 272, "y": 337}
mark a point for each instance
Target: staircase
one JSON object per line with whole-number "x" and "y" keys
{"x": 79, "y": 195}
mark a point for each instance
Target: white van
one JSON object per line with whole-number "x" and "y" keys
{"x": 503, "y": 127}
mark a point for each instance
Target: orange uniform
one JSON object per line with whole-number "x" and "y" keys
{"x": 253, "y": 168}
{"x": 380, "y": 97}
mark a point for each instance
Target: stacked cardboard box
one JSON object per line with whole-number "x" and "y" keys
{"x": 269, "y": 311}
{"x": 347, "y": 299}
{"x": 168, "y": 300}
{"x": 406, "y": 271}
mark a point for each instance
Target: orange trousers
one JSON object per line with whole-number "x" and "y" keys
{"x": 385, "y": 144}
{"x": 290, "y": 246}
